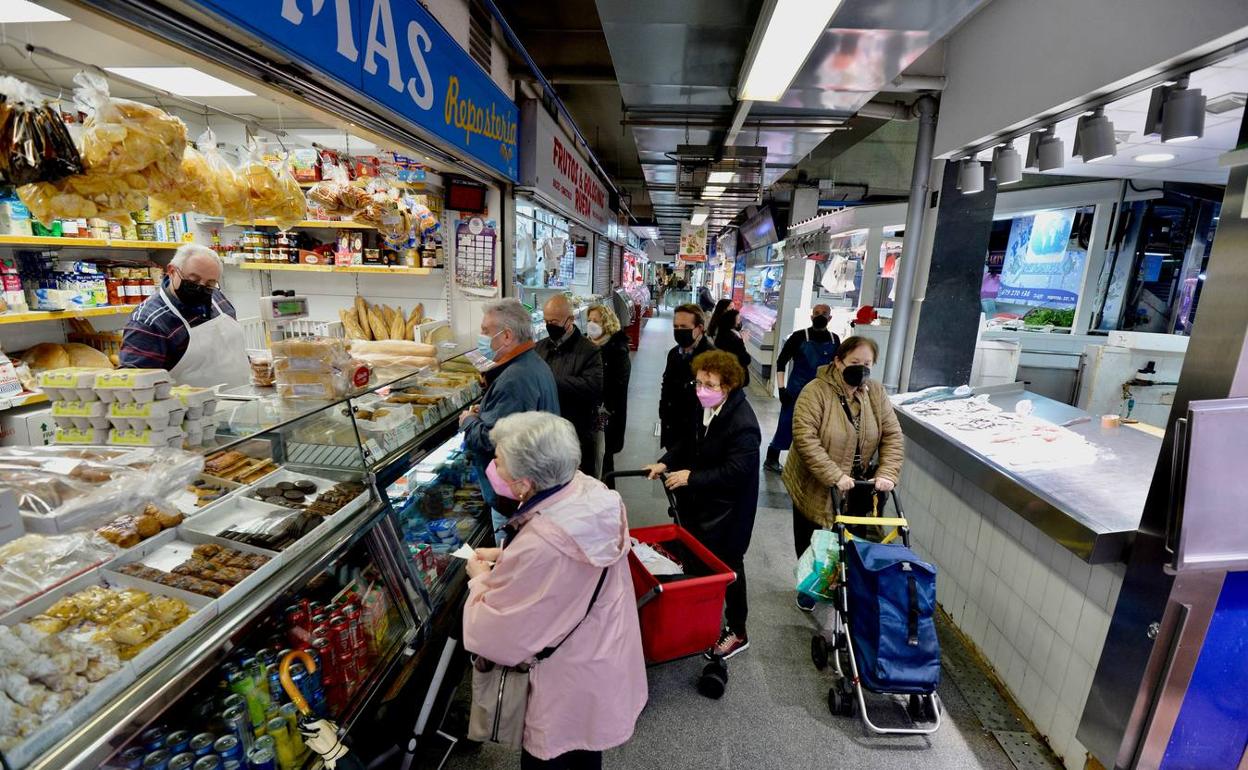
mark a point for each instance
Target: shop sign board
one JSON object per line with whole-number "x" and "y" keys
{"x": 395, "y": 52}
{"x": 551, "y": 165}
{"x": 692, "y": 242}
{"x": 1042, "y": 267}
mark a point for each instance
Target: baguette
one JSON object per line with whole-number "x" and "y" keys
{"x": 361, "y": 310}
{"x": 398, "y": 325}
{"x": 352, "y": 325}
{"x": 377, "y": 322}
{"x": 393, "y": 348}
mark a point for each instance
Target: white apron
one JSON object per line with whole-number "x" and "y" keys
{"x": 216, "y": 351}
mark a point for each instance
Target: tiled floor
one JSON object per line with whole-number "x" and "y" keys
{"x": 775, "y": 713}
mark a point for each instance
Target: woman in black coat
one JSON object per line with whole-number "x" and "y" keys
{"x": 727, "y": 337}
{"x": 603, "y": 329}
{"x": 713, "y": 471}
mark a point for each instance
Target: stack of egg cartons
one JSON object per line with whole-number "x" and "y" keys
{"x": 200, "y": 421}
{"x": 81, "y": 418}
{"x": 140, "y": 407}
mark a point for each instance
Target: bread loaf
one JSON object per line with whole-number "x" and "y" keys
{"x": 398, "y": 325}
{"x": 377, "y": 322}
{"x": 393, "y": 348}
{"x": 46, "y": 355}
{"x": 86, "y": 356}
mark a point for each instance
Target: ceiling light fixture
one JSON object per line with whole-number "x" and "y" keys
{"x": 719, "y": 177}
{"x": 1155, "y": 157}
{"x": 1094, "y": 138}
{"x": 1176, "y": 112}
{"x": 1050, "y": 151}
{"x": 713, "y": 191}
{"x": 181, "y": 81}
{"x": 699, "y": 215}
{"x": 792, "y": 29}
{"x": 23, "y": 12}
{"x": 1007, "y": 166}
{"x": 971, "y": 176}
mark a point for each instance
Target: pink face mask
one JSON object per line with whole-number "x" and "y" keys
{"x": 499, "y": 484}
{"x": 709, "y": 397}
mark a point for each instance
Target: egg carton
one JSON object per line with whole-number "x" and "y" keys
{"x": 80, "y": 414}
{"x": 150, "y": 415}
{"x": 167, "y": 436}
{"x": 88, "y": 437}
{"x": 133, "y": 385}
{"x": 73, "y": 383}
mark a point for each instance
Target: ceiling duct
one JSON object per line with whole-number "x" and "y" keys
{"x": 711, "y": 173}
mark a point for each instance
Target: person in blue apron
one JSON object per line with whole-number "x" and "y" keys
{"x": 808, "y": 349}
{"x": 188, "y": 326}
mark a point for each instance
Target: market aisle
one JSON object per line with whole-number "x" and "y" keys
{"x": 775, "y": 711}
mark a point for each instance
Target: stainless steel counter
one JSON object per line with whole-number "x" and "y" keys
{"x": 1092, "y": 510}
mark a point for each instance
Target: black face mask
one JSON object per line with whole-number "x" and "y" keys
{"x": 555, "y": 331}
{"x": 819, "y": 322}
{"x": 856, "y": 375}
{"x": 193, "y": 294}
{"x": 684, "y": 337}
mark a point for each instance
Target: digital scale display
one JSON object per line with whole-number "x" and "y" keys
{"x": 283, "y": 308}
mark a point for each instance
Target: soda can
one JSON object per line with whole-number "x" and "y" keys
{"x": 261, "y": 759}
{"x": 266, "y": 742}
{"x": 232, "y": 700}
{"x": 323, "y": 653}
{"x": 340, "y": 636}
{"x": 317, "y": 674}
{"x": 297, "y": 616}
{"x": 153, "y": 739}
{"x": 228, "y": 747}
{"x": 132, "y": 758}
{"x": 202, "y": 744}
{"x": 276, "y": 693}
{"x": 210, "y": 762}
{"x": 184, "y": 761}
{"x": 238, "y": 722}
{"x": 231, "y": 764}
{"x": 156, "y": 760}
{"x": 178, "y": 742}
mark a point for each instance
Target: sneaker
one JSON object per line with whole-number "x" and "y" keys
{"x": 805, "y": 603}
{"x": 729, "y": 644}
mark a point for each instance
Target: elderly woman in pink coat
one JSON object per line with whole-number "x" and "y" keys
{"x": 568, "y": 532}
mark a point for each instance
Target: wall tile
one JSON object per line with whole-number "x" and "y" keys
{"x": 1100, "y": 585}
{"x": 1027, "y": 625}
{"x": 1036, "y": 581}
{"x": 1054, "y": 592}
{"x": 1041, "y": 644}
{"x": 1030, "y": 696}
{"x": 1059, "y": 659}
{"x": 1065, "y": 723}
{"x": 1013, "y": 614}
{"x": 1093, "y": 625}
{"x": 1076, "y": 685}
{"x": 1080, "y": 573}
{"x": 1045, "y": 710}
{"x": 1068, "y": 619}
{"x": 1017, "y": 670}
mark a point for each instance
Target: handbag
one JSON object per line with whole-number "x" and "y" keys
{"x": 500, "y": 694}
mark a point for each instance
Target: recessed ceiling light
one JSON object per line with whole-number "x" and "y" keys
{"x": 719, "y": 177}
{"x": 713, "y": 191}
{"x": 1155, "y": 157}
{"x": 182, "y": 81}
{"x": 790, "y": 34}
{"x": 23, "y": 12}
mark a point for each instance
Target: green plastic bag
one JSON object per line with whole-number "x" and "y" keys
{"x": 816, "y": 570}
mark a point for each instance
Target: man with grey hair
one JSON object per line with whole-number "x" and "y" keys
{"x": 188, "y": 326}
{"x": 577, "y": 365}
{"x": 518, "y": 381}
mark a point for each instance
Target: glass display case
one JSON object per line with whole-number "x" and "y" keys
{"x": 764, "y": 277}
{"x": 328, "y": 532}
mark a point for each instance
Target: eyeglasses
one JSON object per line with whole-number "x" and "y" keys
{"x": 214, "y": 285}
{"x": 706, "y": 384}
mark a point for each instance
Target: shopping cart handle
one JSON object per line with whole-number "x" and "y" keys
{"x": 626, "y": 474}
{"x": 649, "y": 596}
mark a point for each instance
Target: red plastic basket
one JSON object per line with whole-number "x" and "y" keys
{"x": 681, "y": 618}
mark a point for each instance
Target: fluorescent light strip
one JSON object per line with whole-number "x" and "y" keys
{"x": 719, "y": 177}
{"x": 793, "y": 29}
{"x": 713, "y": 191}
{"x": 699, "y": 216}
{"x": 1155, "y": 157}
{"x": 24, "y": 12}
{"x": 180, "y": 81}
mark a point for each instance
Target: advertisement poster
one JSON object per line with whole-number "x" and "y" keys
{"x": 692, "y": 242}
{"x": 1040, "y": 267}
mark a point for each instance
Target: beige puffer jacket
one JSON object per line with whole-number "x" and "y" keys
{"x": 824, "y": 439}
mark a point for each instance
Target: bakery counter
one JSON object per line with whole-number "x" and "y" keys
{"x": 1088, "y": 499}
{"x": 220, "y": 551}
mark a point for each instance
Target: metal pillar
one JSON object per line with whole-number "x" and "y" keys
{"x": 894, "y": 356}
{"x": 1160, "y": 621}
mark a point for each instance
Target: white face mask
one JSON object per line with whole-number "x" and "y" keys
{"x": 593, "y": 330}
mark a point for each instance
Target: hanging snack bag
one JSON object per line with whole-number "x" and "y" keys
{"x": 94, "y": 194}
{"x": 35, "y": 145}
{"x": 232, "y": 196}
{"x": 121, "y": 136}
{"x": 197, "y": 189}
{"x": 291, "y": 207}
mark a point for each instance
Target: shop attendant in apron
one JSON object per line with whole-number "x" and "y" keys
{"x": 808, "y": 349}
{"x": 216, "y": 351}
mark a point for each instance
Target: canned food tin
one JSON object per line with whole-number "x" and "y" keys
{"x": 210, "y": 762}
{"x": 156, "y": 760}
{"x": 266, "y": 742}
{"x": 132, "y": 758}
{"x": 153, "y": 739}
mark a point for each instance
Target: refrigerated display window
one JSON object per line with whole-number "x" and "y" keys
{"x": 839, "y": 275}
{"x": 890, "y": 264}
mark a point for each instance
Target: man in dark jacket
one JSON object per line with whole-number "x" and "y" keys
{"x": 808, "y": 349}
{"x": 577, "y": 365}
{"x": 519, "y": 381}
{"x": 678, "y": 404}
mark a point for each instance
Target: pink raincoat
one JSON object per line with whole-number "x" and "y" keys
{"x": 587, "y": 696}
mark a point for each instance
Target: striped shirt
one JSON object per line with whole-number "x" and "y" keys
{"x": 155, "y": 338}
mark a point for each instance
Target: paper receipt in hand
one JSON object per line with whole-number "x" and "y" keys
{"x": 466, "y": 552}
